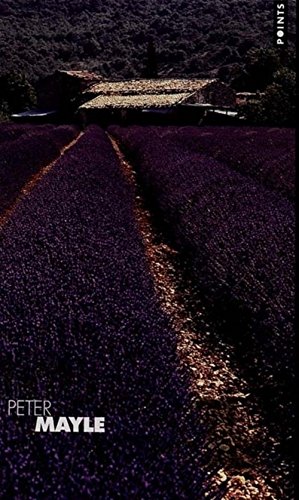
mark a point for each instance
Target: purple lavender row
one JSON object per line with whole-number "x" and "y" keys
{"x": 265, "y": 154}
{"x": 239, "y": 240}
{"x": 81, "y": 326}
{"x": 12, "y": 131}
{"x": 20, "y": 159}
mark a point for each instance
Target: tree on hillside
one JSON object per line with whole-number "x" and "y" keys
{"x": 151, "y": 69}
{"x": 260, "y": 65}
{"x": 278, "y": 104}
{"x": 258, "y": 70}
{"x": 16, "y": 93}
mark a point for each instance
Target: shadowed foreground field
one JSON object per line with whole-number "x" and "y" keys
{"x": 99, "y": 315}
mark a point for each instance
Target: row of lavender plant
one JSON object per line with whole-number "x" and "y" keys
{"x": 12, "y": 131}
{"x": 239, "y": 239}
{"x": 81, "y": 326}
{"x": 265, "y": 154}
{"x": 20, "y": 159}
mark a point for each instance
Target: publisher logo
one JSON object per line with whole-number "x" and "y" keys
{"x": 280, "y": 23}
{"x": 44, "y": 422}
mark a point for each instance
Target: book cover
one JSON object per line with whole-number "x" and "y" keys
{"x": 147, "y": 192}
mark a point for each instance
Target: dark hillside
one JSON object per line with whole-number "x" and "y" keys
{"x": 192, "y": 37}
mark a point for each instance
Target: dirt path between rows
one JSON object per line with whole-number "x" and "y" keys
{"x": 239, "y": 448}
{"x": 33, "y": 181}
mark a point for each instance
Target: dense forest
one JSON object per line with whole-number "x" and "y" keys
{"x": 192, "y": 37}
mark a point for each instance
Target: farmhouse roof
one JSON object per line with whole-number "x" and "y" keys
{"x": 141, "y": 101}
{"x": 83, "y": 75}
{"x": 143, "y": 86}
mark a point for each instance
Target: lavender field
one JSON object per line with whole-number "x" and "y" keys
{"x": 265, "y": 154}
{"x": 24, "y": 152}
{"x": 84, "y": 323}
{"x": 12, "y": 131}
{"x": 237, "y": 234}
